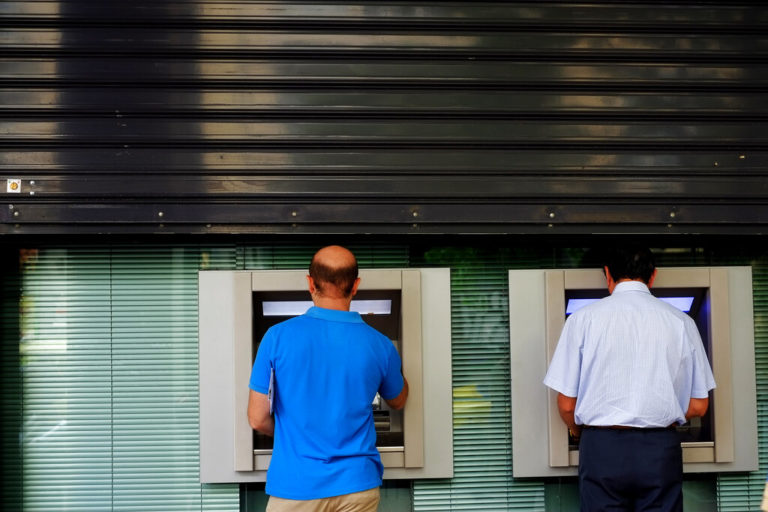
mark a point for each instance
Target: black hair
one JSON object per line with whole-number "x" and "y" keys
{"x": 630, "y": 262}
{"x": 343, "y": 278}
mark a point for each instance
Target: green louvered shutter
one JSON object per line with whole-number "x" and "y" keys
{"x": 65, "y": 351}
{"x": 10, "y": 382}
{"x": 109, "y": 381}
{"x": 155, "y": 381}
{"x": 481, "y": 382}
{"x": 99, "y": 381}
{"x": 740, "y": 492}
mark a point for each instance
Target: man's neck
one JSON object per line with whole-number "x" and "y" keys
{"x": 339, "y": 304}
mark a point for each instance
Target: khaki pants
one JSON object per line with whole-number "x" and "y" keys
{"x": 764, "y": 506}
{"x": 364, "y": 501}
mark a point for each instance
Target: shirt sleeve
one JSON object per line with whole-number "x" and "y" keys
{"x": 565, "y": 368}
{"x": 702, "y": 380}
{"x": 263, "y": 364}
{"x": 392, "y": 383}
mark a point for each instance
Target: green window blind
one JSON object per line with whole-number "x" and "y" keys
{"x": 740, "y": 492}
{"x": 481, "y": 408}
{"x": 65, "y": 351}
{"x": 108, "y": 362}
{"x": 11, "y": 419}
{"x": 99, "y": 375}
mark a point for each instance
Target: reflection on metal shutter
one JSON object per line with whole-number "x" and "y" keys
{"x": 110, "y": 403}
{"x": 298, "y": 116}
{"x": 481, "y": 409}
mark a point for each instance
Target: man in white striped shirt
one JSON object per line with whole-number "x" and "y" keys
{"x": 627, "y": 369}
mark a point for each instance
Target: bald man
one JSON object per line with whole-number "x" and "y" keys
{"x": 328, "y": 366}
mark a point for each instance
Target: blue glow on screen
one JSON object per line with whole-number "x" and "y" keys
{"x": 682, "y": 303}
{"x": 299, "y": 307}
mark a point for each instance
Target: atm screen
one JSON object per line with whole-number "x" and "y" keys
{"x": 379, "y": 308}
{"x": 687, "y": 300}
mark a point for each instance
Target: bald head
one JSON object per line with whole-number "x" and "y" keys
{"x": 335, "y": 266}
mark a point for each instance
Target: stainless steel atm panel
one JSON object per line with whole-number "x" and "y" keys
{"x": 720, "y": 301}
{"x": 410, "y": 306}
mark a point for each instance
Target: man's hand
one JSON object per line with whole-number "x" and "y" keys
{"x": 258, "y": 413}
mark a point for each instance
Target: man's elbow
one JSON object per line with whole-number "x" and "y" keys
{"x": 697, "y": 408}
{"x": 566, "y": 404}
{"x": 398, "y": 402}
{"x": 264, "y": 425}
{"x": 256, "y": 423}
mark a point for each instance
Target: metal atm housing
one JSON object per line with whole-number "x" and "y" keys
{"x": 720, "y": 301}
{"x": 410, "y": 306}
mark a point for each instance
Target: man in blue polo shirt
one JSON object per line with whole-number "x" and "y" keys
{"x": 328, "y": 366}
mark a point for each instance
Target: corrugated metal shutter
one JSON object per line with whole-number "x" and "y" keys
{"x": 296, "y": 116}
{"x": 109, "y": 380}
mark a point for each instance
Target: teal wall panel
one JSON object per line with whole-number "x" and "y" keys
{"x": 99, "y": 378}
{"x": 65, "y": 349}
{"x": 481, "y": 376}
{"x": 108, "y": 356}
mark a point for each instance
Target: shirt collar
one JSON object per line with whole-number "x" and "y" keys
{"x": 334, "y": 315}
{"x": 631, "y": 286}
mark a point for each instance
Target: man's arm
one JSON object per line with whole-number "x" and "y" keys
{"x": 697, "y": 407}
{"x": 398, "y": 402}
{"x": 258, "y": 413}
{"x": 566, "y": 405}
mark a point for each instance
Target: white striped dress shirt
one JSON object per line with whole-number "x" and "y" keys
{"x": 630, "y": 359}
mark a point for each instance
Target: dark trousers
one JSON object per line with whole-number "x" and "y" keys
{"x": 630, "y": 470}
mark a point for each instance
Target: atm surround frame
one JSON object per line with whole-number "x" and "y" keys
{"x": 226, "y": 340}
{"x": 537, "y": 306}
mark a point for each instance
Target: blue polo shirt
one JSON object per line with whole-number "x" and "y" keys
{"x": 328, "y": 366}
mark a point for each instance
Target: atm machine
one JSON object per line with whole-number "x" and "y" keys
{"x": 719, "y": 299}
{"x": 410, "y": 306}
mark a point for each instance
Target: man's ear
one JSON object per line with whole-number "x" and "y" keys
{"x": 354, "y": 287}
{"x": 653, "y": 277}
{"x": 311, "y": 285}
{"x": 609, "y": 280}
